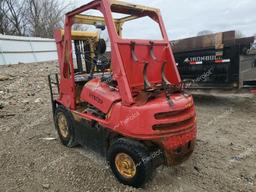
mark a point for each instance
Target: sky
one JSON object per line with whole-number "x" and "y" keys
{"x": 185, "y": 18}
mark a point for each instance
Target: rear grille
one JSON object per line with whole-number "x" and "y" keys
{"x": 186, "y": 124}
{"x": 170, "y": 114}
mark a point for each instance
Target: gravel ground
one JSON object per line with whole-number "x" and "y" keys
{"x": 224, "y": 158}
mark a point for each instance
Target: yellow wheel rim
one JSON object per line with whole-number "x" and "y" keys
{"x": 63, "y": 126}
{"x": 125, "y": 165}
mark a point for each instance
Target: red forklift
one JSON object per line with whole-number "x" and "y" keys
{"x": 133, "y": 110}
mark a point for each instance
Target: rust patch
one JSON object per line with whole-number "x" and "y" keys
{"x": 180, "y": 154}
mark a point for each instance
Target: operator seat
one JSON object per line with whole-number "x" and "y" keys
{"x": 98, "y": 60}
{"x": 102, "y": 60}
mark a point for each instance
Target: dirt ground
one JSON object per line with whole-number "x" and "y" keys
{"x": 224, "y": 158}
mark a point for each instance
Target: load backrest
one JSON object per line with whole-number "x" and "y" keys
{"x": 136, "y": 55}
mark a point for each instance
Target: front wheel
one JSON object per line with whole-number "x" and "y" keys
{"x": 64, "y": 126}
{"x": 130, "y": 162}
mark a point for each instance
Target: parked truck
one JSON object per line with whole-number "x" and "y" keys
{"x": 216, "y": 61}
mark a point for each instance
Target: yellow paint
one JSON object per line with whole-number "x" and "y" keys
{"x": 125, "y": 165}
{"x": 133, "y": 6}
{"x": 82, "y": 35}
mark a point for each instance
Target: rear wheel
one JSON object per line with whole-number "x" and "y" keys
{"x": 64, "y": 126}
{"x": 130, "y": 162}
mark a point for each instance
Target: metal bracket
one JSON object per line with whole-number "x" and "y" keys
{"x": 134, "y": 56}
{"x": 152, "y": 50}
{"x": 166, "y": 85}
{"x": 169, "y": 88}
{"x": 147, "y": 84}
{"x": 164, "y": 79}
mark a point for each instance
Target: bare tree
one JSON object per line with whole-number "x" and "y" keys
{"x": 4, "y": 25}
{"x": 44, "y": 17}
{"x": 31, "y": 17}
{"x": 204, "y": 32}
{"x": 53, "y": 16}
{"x": 12, "y": 20}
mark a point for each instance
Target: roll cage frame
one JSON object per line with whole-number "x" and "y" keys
{"x": 114, "y": 27}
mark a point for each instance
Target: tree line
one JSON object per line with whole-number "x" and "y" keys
{"x": 31, "y": 17}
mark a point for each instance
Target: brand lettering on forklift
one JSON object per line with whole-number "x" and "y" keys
{"x": 95, "y": 98}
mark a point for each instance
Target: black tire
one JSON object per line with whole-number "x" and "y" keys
{"x": 139, "y": 155}
{"x": 101, "y": 47}
{"x": 67, "y": 140}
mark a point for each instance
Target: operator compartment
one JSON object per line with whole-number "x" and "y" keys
{"x": 91, "y": 60}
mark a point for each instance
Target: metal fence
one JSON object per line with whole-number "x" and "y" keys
{"x": 15, "y": 49}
